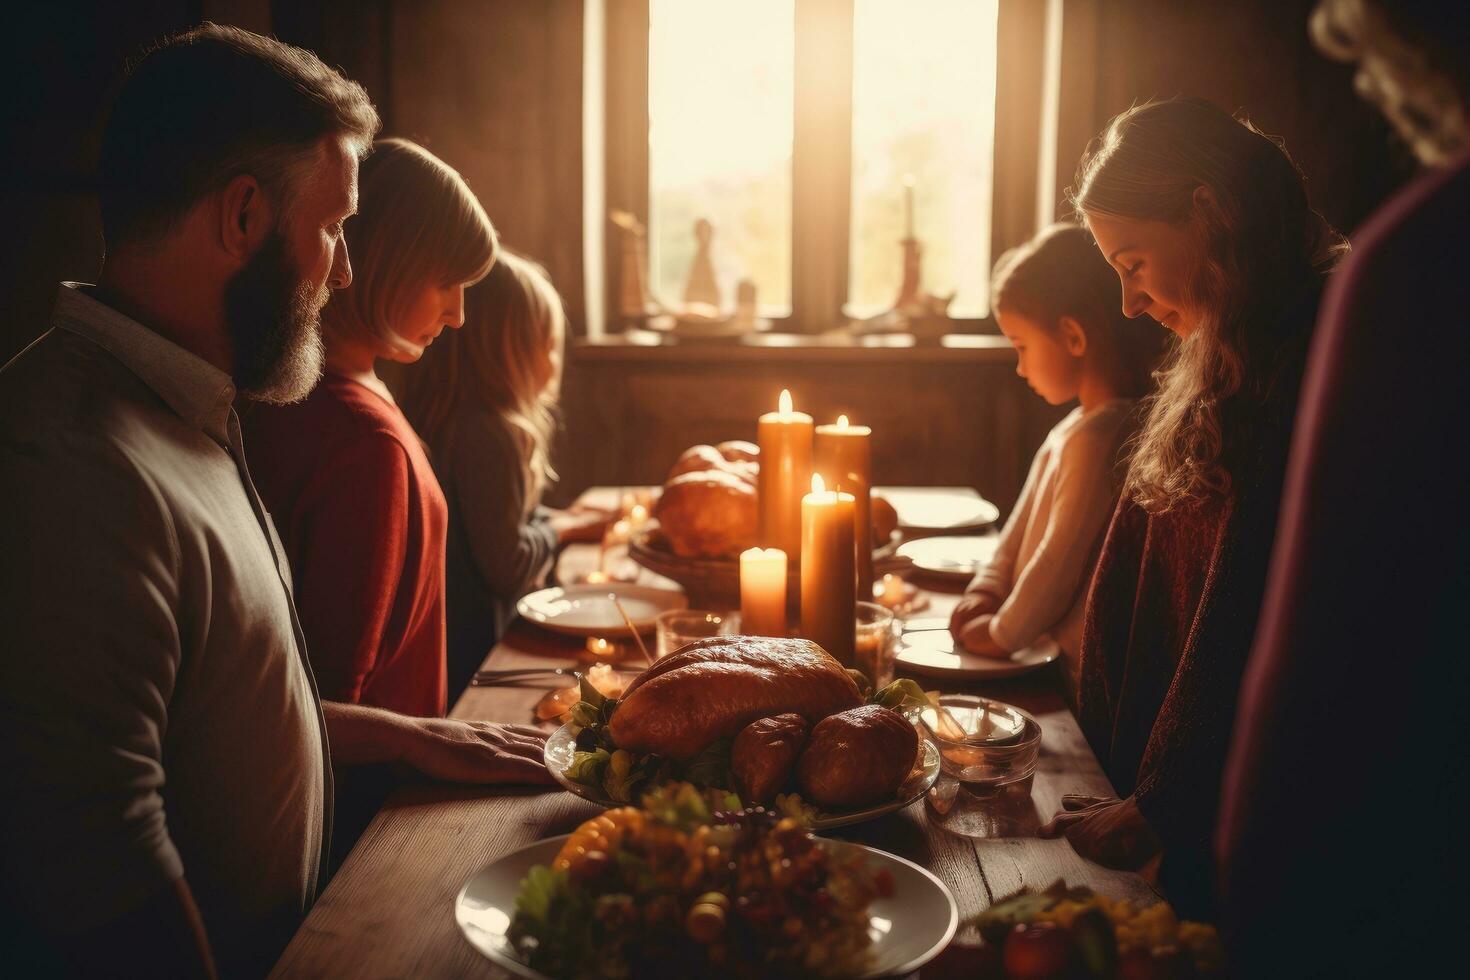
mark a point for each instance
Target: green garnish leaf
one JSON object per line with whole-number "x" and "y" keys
{"x": 589, "y": 768}
{"x": 711, "y": 767}
{"x": 902, "y": 695}
{"x": 590, "y": 694}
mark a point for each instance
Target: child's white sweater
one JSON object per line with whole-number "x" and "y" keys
{"x": 1049, "y": 546}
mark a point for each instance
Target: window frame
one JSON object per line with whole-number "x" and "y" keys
{"x": 821, "y": 156}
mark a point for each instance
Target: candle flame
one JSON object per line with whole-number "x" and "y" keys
{"x": 842, "y": 421}
{"x": 785, "y": 402}
{"x": 908, "y": 181}
{"x": 818, "y": 485}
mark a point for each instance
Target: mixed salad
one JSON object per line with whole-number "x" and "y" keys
{"x": 1068, "y": 933}
{"x": 693, "y": 885}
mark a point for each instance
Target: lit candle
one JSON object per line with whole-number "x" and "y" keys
{"x": 844, "y": 457}
{"x": 892, "y": 595}
{"x": 601, "y": 648}
{"x": 785, "y": 438}
{"x": 908, "y": 206}
{"x": 763, "y": 592}
{"x": 827, "y": 574}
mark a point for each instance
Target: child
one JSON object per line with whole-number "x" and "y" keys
{"x": 356, "y": 501}
{"x": 484, "y": 402}
{"x": 1056, "y": 300}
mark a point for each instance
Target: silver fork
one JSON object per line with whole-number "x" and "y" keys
{"x": 484, "y": 678}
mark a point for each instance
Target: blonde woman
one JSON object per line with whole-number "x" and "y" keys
{"x": 484, "y": 401}
{"x": 352, "y": 492}
{"x": 1206, "y": 223}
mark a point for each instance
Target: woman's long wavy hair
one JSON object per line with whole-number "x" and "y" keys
{"x": 418, "y": 224}
{"x": 1259, "y": 246}
{"x": 506, "y": 360}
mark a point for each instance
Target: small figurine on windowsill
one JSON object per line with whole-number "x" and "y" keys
{"x": 922, "y": 314}
{"x": 635, "y": 302}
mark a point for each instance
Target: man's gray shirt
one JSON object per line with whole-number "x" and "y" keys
{"x": 157, "y": 716}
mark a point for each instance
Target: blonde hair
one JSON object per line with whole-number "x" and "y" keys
{"x": 418, "y": 224}
{"x": 1411, "y": 64}
{"x": 1258, "y": 245}
{"x": 1061, "y": 273}
{"x": 505, "y": 360}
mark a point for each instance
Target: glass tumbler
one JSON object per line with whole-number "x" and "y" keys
{"x": 876, "y": 648}
{"x": 677, "y": 627}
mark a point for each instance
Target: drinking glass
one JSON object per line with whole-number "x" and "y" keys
{"x": 876, "y": 649}
{"x": 677, "y": 627}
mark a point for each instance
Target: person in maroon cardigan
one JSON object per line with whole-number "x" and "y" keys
{"x": 1340, "y": 841}
{"x": 345, "y": 476}
{"x": 1207, "y": 223}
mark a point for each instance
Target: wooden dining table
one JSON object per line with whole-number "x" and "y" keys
{"x": 389, "y": 910}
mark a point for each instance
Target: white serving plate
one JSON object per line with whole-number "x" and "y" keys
{"x": 909, "y": 928}
{"x": 586, "y": 610}
{"x": 561, "y": 747}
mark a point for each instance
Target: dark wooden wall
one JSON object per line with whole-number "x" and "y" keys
{"x": 940, "y": 416}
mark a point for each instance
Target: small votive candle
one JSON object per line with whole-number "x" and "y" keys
{"x": 892, "y": 595}
{"x": 763, "y": 592}
{"x": 601, "y": 648}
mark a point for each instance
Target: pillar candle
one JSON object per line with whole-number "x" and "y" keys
{"x": 844, "y": 458}
{"x": 785, "y": 438}
{"x": 827, "y": 574}
{"x": 763, "y": 592}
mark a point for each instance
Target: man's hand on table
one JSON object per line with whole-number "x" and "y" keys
{"x": 1113, "y": 833}
{"x": 439, "y": 748}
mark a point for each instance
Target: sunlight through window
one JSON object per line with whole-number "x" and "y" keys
{"x": 923, "y": 106}
{"x": 720, "y": 103}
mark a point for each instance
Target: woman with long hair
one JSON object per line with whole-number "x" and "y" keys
{"x": 484, "y": 401}
{"x": 1207, "y": 224}
{"x": 361, "y": 513}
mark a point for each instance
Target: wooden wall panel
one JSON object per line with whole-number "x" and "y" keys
{"x": 495, "y": 88}
{"x": 939, "y": 418}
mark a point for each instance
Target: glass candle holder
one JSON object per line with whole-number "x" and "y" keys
{"x": 875, "y": 642}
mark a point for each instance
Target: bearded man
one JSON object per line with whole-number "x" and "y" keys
{"x": 168, "y": 771}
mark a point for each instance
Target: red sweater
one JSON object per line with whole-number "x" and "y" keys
{"x": 364, "y": 524}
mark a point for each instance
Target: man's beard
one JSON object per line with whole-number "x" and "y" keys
{"x": 274, "y": 320}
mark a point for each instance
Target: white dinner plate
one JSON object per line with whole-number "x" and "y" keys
{"x": 933, "y": 653}
{"x": 586, "y": 610}
{"x": 951, "y": 556}
{"x": 561, "y": 746}
{"x": 908, "y": 928}
{"x": 930, "y": 510}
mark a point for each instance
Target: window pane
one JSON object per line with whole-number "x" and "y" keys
{"x": 923, "y": 94}
{"x": 720, "y": 104}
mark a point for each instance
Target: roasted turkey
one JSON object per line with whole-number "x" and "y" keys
{"x": 711, "y": 689}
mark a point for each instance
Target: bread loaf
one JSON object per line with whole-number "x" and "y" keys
{"x": 764, "y": 755}
{"x": 857, "y": 757}
{"x": 709, "y": 514}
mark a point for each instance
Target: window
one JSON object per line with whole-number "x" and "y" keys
{"x": 923, "y": 122}
{"x": 720, "y": 102}
{"x": 795, "y": 127}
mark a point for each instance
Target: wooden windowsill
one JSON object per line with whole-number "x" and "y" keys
{"x": 646, "y": 346}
